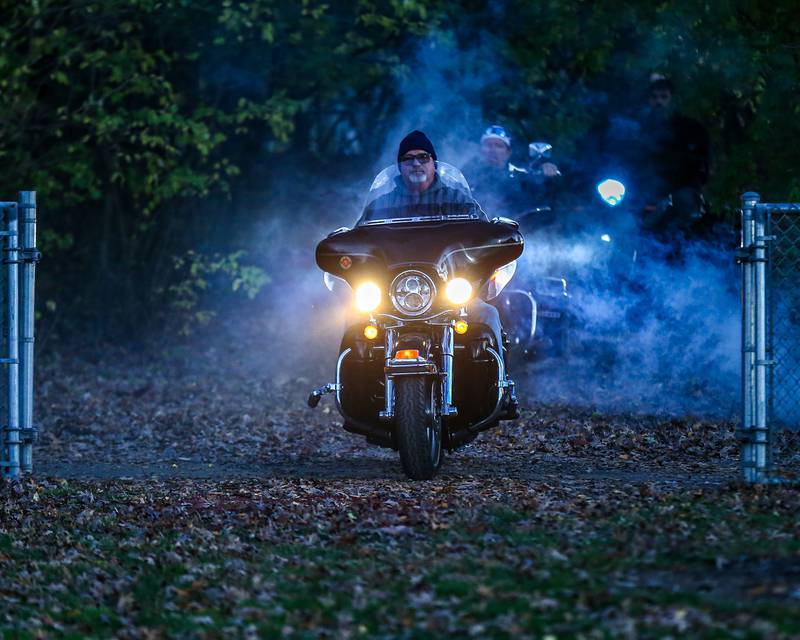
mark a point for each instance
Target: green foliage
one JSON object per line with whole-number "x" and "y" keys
{"x": 195, "y": 275}
{"x": 135, "y": 119}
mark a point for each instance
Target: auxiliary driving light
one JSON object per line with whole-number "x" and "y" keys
{"x": 407, "y": 354}
{"x": 370, "y": 332}
{"x": 368, "y": 296}
{"x": 461, "y": 327}
{"x": 458, "y": 290}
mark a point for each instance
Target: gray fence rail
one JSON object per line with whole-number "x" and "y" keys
{"x": 18, "y": 232}
{"x": 770, "y": 259}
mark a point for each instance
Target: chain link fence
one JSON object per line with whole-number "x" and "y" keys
{"x": 770, "y": 259}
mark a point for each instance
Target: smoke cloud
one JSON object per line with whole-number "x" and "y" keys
{"x": 664, "y": 336}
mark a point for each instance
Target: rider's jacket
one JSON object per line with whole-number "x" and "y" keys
{"x": 438, "y": 199}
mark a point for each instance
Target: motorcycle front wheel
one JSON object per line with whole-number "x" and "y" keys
{"x": 419, "y": 427}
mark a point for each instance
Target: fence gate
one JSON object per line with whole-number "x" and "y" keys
{"x": 18, "y": 237}
{"x": 770, "y": 258}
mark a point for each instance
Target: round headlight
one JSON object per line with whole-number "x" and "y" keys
{"x": 368, "y": 296}
{"x": 458, "y": 290}
{"x": 611, "y": 191}
{"x": 412, "y": 293}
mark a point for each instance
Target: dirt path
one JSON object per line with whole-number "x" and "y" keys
{"x": 203, "y": 411}
{"x": 198, "y": 480}
{"x": 459, "y": 467}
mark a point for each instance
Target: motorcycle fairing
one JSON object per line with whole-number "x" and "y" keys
{"x": 471, "y": 249}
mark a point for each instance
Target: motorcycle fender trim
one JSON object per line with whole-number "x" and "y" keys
{"x": 400, "y": 368}
{"x": 409, "y": 343}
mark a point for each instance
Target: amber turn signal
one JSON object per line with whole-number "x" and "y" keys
{"x": 407, "y": 354}
{"x": 370, "y": 332}
{"x": 461, "y": 327}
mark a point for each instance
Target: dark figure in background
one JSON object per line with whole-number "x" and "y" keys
{"x": 674, "y": 155}
{"x": 502, "y": 188}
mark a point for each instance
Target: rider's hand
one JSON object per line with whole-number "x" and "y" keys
{"x": 550, "y": 170}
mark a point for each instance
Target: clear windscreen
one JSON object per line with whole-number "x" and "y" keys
{"x": 391, "y": 199}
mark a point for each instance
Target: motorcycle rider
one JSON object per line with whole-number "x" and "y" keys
{"x": 497, "y": 183}
{"x": 676, "y": 154}
{"x": 419, "y": 191}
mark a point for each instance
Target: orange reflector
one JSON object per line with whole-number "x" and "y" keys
{"x": 370, "y": 332}
{"x": 407, "y": 354}
{"x": 461, "y": 327}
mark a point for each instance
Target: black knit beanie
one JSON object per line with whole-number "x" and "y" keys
{"x": 415, "y": 140}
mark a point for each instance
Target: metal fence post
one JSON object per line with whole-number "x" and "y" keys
{"x": 754, "y": 436}
{"x": 761, "y": 426}
{"x": 12, "y": 429}
{"x": 27, "y": 205}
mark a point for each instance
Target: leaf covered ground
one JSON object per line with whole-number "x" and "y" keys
{"x": 188, "y": 492}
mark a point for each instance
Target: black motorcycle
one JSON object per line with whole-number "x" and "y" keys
{"x": 417, "y": 371}
{"x": 535, "y": 312}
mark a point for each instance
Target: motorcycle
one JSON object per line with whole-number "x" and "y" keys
{"x": 417, "y": 370}
{"x": 536, "y": 312}
{"x": 641, "y": 206}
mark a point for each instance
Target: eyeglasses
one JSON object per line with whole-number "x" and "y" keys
{"x": 423, "y": 158}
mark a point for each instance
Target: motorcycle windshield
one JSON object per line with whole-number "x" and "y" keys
{"x": 447, "y": 198}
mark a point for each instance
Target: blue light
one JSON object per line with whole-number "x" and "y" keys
{"x": 611, "y": 191}
{"x": 605, "y": 237}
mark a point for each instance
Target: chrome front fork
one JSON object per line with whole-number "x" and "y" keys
{"x": 388, "y": 353}
{"x": 447, "y": 347}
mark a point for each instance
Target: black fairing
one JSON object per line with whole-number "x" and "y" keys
{"x": 471, "y": 249}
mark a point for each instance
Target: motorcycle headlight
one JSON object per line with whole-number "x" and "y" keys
{"x": 611, "y": 191}
{"x": 412, "y": 293}
{"x": 368, "y": 296}
{"x": 458, "y": 290}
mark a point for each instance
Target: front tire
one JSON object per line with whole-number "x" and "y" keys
{"x": 419, "y": 427}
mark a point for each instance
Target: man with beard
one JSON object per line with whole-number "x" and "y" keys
{"x": 419, "y": 191}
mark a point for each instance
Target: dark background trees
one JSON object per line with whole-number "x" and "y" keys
{"x": 150, "y": 127}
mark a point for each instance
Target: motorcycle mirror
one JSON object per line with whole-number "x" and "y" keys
{"x": 503, "y": 220}
{"x": 538, "y": 150}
